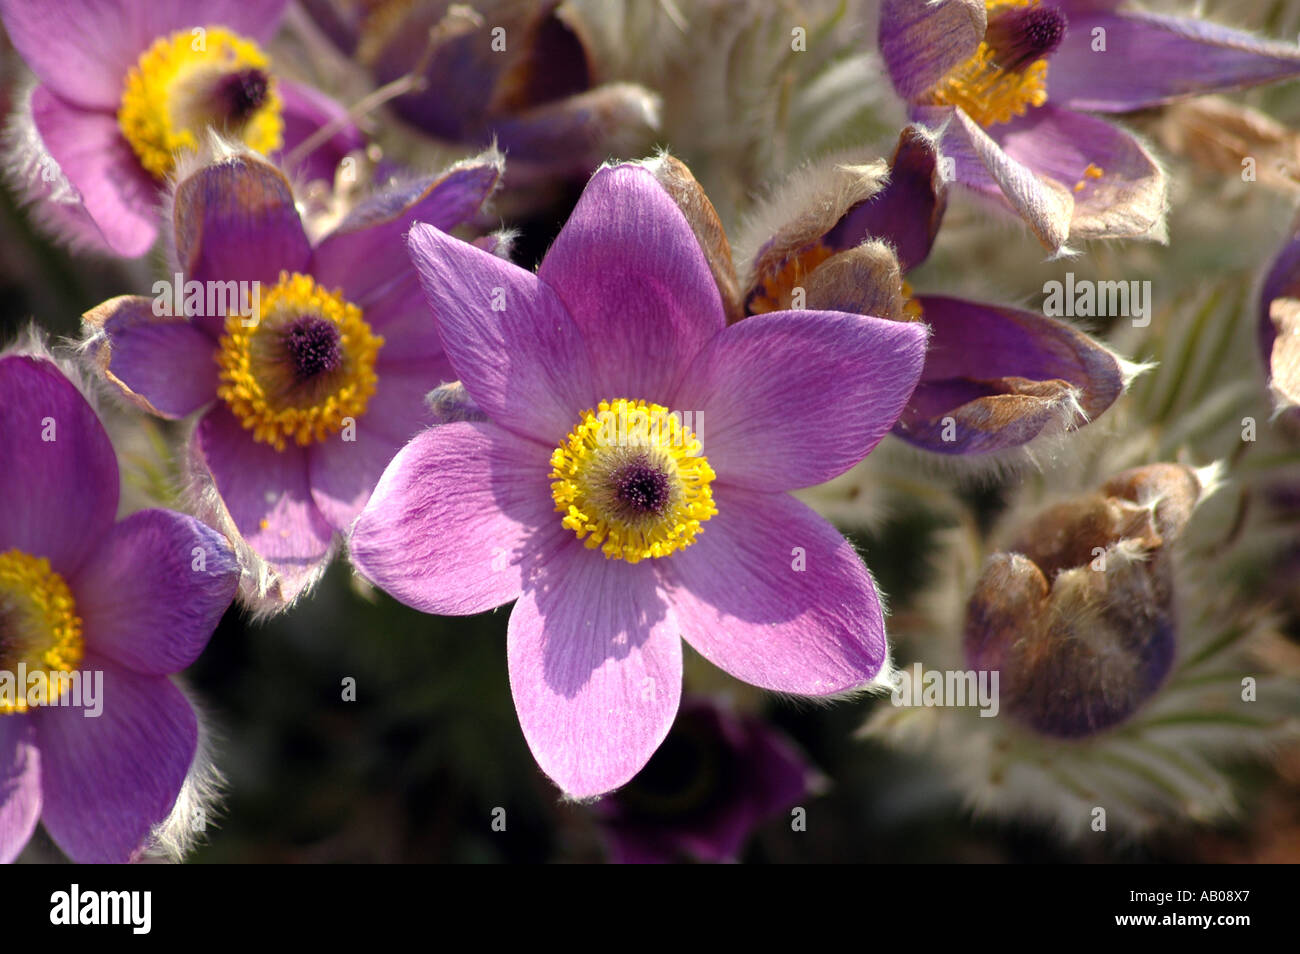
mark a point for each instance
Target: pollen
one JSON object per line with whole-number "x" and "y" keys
{"x": 299, "y": 368}
{"x": 39, "y": 628}
{"x": 631, "y": 478}
{"x": 912, "y": 310}
{"x": 1093, "y": 172}
{"x": 1007, "y": 75}
{"x": 193, "y": 80}
{"x": 775, "y": 291}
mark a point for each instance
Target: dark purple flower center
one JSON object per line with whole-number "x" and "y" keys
{"x": 239, "y": 95}
{"x": 1020, "y": 36}
{"x": 313, "y": 347}
{"x": 642, "y": 487}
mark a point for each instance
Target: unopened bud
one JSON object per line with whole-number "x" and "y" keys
{"x": 1079, "y": 617}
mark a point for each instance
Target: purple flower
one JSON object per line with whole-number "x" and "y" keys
{"x": 1012, "y": 82}
{"x": 125, "y": 86}
{"x": 627, "y": 481}
{"x": 995, "y": 378}
{"x": 308, "y": 391}
{"x": 718, "y": 776}
{"x": 118, "y": 606}
{"x": 522, "y": 76}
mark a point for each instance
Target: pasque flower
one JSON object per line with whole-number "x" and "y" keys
{"x": 308, "y": 395}
{"x": 134, "y": 600}
{"x": 996, "y": 378}
{"x": 627, "y": 480}
{"x": 125, "y": 87}
{"x": 1014, "y": 83}
{"x": 719, "y": 775}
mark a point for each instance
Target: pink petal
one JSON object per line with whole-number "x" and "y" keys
{"x": 268, "y": 497}
{"x": 154, "y": 590}
{"x": 83, "y": 49}
{"x": 1128, "y": 200}
{"x": 235, "y": 220}
{"x": 343, "y": 473}
{"x": 981, "y": 164}
{"x": 166, "y": 366}
{"x": 401, "y": 315}
{"x": 628, "y": 268}
{"x": 514, "y": 347}
{"x": 58, "y": 471}
{"x": 997, "y": 377}
{"x": 793, "y": 398}
{"x": 595, "y": 669}
{"x": 458, "y": 519}
{"x": 20, "y": 785}
{"x": 108, "y": 780}
{"x": 1151, "y": 59}
{"x": 367, "y": 254}
{"x": 119, "y": 200}
{"x": 908, "y": 211}
{"x": 921, "y": 40}
{"x": 774, "y": 595}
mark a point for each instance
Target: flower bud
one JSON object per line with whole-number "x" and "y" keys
{"x": 1078, "y": 615}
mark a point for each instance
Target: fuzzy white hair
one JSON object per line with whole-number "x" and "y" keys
{"x": 261, "y": 590}
{"x": 35, "y": 177}
{"x": 197, "y": 803}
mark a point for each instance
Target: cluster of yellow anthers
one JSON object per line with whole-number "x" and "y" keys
{"x": 774, "y": 293}
{"x": 987, "y": 93}
{"x": 911, "y": 307}
{"x": 41, "y": 627}
{"x": 257, "y": 377}
{"x": 172, "y": 94}
{"x": 593, "y": 462}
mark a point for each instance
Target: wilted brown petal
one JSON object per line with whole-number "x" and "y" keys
{"x": 678, "y": 182}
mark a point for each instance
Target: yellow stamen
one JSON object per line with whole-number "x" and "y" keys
{"x": 631, "y": 479}
{"x": 988, "y": 93}
{"x": 911, "y": 307}
{"x": 39, "y": 627}
{"x": 266, "y": 390}
{"x": 1091, "y": 172}
{"x": 182, "y": 85}
{"x": 775, "y": 292}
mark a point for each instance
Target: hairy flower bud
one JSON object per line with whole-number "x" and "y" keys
{"x": 1079, "y": 615}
